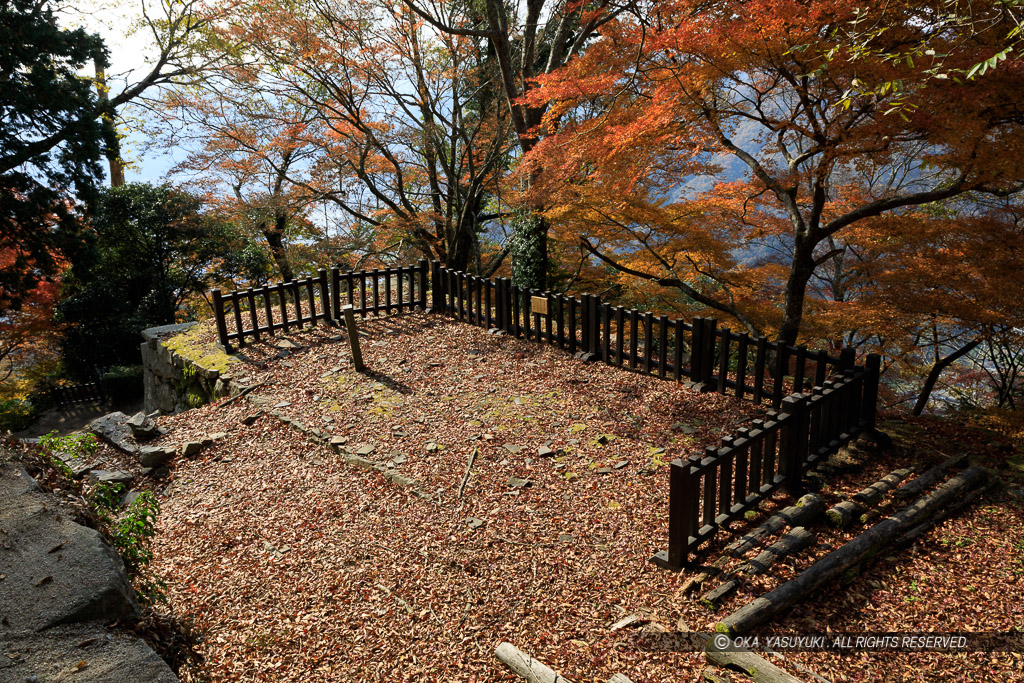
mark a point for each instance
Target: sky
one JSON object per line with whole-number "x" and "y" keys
{"x": 129, "y": 56}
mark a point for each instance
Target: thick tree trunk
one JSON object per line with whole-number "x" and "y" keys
{"x": 275, "y": 240}
{"x": 800, "y": 273}
{"x": 859, "y": 549}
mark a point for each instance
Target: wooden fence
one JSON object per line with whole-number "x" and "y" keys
{"x": 709, "y": 491}
{"x": 712, "y": 358}
{"x": 249, "y": 313}
{"x": 819, "y": 402}
{"x": 90, "y": 392}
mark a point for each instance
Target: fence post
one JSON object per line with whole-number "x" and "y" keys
{"x": 872, "y": 370}
{"x": 795, "y": 440}
{"x": 436, "y": 287}
{"x": 423, "y": 284}
{"x": 335, "y": 293}
{"x": 707, "y": 353}
{"x": 679, "y": 523}
{"x": 585, "y": 331}
{"x": 696, "y": 345}
{"x": 326, "y": 299}
{"x": 595, "y": 326}
{"x": 847, "y": 357}
{"x": 218, "y": 313}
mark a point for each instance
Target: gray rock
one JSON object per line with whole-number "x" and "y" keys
{"x": 620, "y": 464}
{"x": 517, "y": 483}
{"x": 191, "y": 448}
{"x": 365, "y": 449}
{"x": 604, "y": 470}
{"x": 512, "y": 448}
{"x": 154, "y": 456}
{"x": 110, "y": 477}
{"x": 249, "y": 420}
{"x": 287, "y": 344}
{"x": 546, "y": 452}
{"x": 56, "y": 654}
{"x": 55, "y": 571}
{"x": 129, "y": 498}
{"x": 431, "y": 447}
{"x": 141, "y": 426}
{"x": 474, "y": 522}
{"x": 78, "y": 464}
{"x": 114, "y": 430}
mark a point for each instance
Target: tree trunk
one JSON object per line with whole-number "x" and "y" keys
{"x": 275, "y": 239}
{"x": 937, "y": 368}
{"x": 800, "y": 273}
{"x": 525, "y": 666}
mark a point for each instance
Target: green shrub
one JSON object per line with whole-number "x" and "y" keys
{"x": 16, "y": 414}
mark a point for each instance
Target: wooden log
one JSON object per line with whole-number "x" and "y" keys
{"x": 753, "y": 665}
{"x": 525, "y": 666}
{"x": 844, "y": 514}
{"x": 806, "y": 510}
{"x": 353, "y": 337}
{"x": 917, "y": 486}
{"x": 856, "y": 551}
{"x": 791, "y": 543}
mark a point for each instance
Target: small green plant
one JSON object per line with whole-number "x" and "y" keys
{"x": 75, "y": 445}
{"x": 72, "y": 444}
{"x": 130, "y": 532}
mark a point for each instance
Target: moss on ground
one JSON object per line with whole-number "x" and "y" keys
{"x": 195, "y": 345}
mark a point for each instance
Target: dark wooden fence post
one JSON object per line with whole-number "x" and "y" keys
{"x": 707, "y": 353}
{"x": 795, "y": 441}
{"x": 680, "y": 490}
{"x": 326, "y": 300}
{"x": 585, "y": 332}
{"x": 218, "y": 313}
{"x": 872, "y": 371}
{"x": 423, "y": 273}
{"x": 335, "y": 293}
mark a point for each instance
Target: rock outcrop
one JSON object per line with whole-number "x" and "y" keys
{"x": 55, "y": 572}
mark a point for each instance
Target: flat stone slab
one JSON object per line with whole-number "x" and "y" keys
{"x": 55, "y": 571}
{"x": 110, "y": 477}
{"x": 113, "y": 429}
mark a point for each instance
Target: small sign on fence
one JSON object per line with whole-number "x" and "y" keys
{"x": 539, "y": 304}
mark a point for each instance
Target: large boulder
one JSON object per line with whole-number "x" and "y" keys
{"x": 55, "y": 571}
{"x": 61, "y": 585}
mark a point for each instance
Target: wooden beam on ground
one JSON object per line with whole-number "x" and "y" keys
{"x": 792, "y": 542}
{"x": 929, "y": 479}
{"x": 525, "y": 666}
{"x": 806, "y": 510}
{"x": 844, "y": 514}
{"x": 859, "y": 549}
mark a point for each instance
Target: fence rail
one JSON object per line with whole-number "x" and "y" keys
{"x": 250, "y": 313}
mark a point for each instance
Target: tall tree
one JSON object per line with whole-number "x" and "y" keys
{"x": 690, "y": 89}
{"x": 152, "y": 248}
{"x": 527, "y": 40}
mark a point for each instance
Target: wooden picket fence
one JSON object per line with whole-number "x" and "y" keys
{"x": 246, "y": 314}
{"x": 711, "y": 358}
{"x": 819, "y": 402}
{"x": 90, "y": 392}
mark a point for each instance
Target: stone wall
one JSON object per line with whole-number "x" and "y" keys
{"x": 171, "y": 382}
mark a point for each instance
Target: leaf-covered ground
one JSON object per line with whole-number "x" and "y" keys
{"x": 296, "y": 566}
